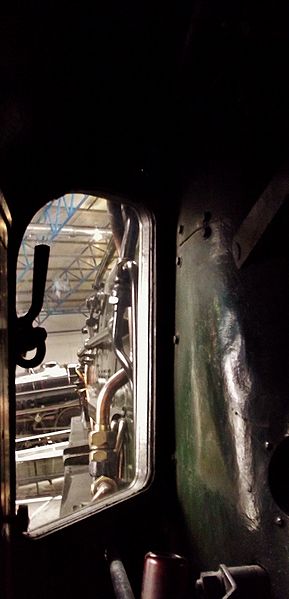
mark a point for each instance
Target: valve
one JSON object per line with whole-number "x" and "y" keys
{"x": 242, "y": 582}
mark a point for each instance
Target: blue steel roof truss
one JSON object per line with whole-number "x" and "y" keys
{"x": 81, "y": 268}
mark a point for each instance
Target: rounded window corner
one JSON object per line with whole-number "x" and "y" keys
{"x": 84, "y": 414}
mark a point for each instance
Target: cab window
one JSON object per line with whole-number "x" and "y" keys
{"x": 83, "y": 412}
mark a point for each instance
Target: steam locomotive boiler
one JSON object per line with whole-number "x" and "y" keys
{"x": 46, "y": 400}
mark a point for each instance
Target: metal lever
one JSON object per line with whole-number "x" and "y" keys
{"x": 119, "y": 578}
{"x": 40, "y": 267}
{"x": 29, "y": 337}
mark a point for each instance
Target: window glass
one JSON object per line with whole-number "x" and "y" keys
{"x": 82, "y": 414}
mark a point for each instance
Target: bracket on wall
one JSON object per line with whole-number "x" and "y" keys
{"x": 239, "y": 582}
{"x": 260, "y": 216}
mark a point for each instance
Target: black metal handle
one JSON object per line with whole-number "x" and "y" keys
{"x": 40, "y": 267}
{"x": 28, "y": 337}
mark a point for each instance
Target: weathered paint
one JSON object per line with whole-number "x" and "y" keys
{"x": 229, "y": 401}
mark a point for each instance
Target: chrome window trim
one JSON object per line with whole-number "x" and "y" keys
{"x": 145, "y": 387}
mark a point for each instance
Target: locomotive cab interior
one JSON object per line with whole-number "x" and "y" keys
{"x": 144, "y": 176}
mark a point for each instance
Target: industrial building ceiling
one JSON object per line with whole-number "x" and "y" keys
{"x": 76, "y": 227}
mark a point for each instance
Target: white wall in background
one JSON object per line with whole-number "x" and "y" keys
{"x": 64, "y": 337}
{"x": 63, "y": 347}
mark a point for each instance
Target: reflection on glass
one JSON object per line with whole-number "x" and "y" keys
{"x": 76, "y": 412}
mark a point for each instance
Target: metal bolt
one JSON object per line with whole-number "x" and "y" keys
{"x": 268, "y": 445}
{"x": 179, "y": 261}
{"x": 279, "y": 521}
{"x": 209, "y": 584}
{"x": 176, "y": 339}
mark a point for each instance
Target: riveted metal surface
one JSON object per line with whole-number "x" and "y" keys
{"x": 232, "y": 409}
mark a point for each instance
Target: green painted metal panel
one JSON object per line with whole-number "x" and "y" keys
{"x": 225, "y": 411}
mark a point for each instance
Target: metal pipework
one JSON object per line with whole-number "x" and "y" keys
{"x": 119, "y": 445}
{"x": 129, "y": 240}
{"x": 132, "y": 269}
{"x": 123, "y": 297}
{"x": 102, "y": 439}
{"x": 116, "y": 222}
{"x": 97, "y": 337}
{"x": 107, "y": 258}
{"x": 115, "y": 382}
{"x": 90, "y": 374}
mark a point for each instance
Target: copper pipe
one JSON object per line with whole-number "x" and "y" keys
{"x": 90, "y": 374}
{"x": 80, "y": 374}
{"x": 115, "y": 382}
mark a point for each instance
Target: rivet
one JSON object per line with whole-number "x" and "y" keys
{"x": 279, "y": 521}
{"x": 179, "y": 261}
{"x": 268, "y": 445}
{"x": 176, "y": 339}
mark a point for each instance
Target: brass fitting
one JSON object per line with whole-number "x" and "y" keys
{"x": 102, "y": 487}
{"x": 103, "y": 462}
{"x": 98, "y": 455}
{"x": 101, "y": 439}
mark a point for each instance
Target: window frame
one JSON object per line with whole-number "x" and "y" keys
{"x": 144, "y": 396}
